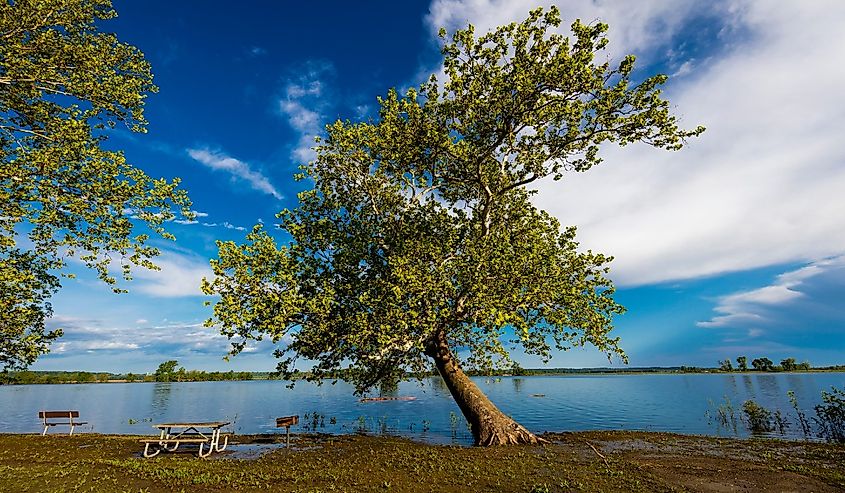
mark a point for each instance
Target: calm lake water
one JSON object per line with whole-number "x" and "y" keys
{"x": 674, "y": 403}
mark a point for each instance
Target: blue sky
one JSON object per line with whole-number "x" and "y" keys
{"x": 732, "y": 246}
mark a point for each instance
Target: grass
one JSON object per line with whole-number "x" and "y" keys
{"x": 589, "y": 461}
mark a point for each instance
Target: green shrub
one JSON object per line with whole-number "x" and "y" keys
{"x": 830, "y": 415}
{"x": 757, "y": 417}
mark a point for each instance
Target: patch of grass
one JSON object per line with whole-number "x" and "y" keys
{"x": 98, "y": 463}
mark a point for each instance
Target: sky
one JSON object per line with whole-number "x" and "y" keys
{"x": 732, "y": 246}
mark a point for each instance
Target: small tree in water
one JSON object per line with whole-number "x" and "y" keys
{"x": 419, "y": 240}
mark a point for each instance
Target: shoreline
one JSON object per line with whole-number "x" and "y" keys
{"x": 573, "y": 461}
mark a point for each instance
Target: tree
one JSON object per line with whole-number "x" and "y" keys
{"x": 166, "y": 371}
{"x": 725, "y": 365}
{"x": 762, "y": 364}
{"x": 742, "y": 363}
{"x": 419, "y": 240}
{"x": 63, "y": 85}
{"x": 789, "y": 364}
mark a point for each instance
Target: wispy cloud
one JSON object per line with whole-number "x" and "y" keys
{"x": 239, "y": 170}
{"x": 256, "y": 51}
{"x": 303, "y": 103}
{"x": 229, "y": 225}
{"x": 796, "y": 304}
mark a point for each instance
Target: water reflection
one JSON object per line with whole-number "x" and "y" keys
{"x": 769, "y": 385}
{"x": 438, "y": 383}
{"x": 796, "y": 382}
{"x": 161, "y": 397}
{"x": 732, "y": 388}
{"x": 749, "y": 386}
{"x": 672, "y": 403}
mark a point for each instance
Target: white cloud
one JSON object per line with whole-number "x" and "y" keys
{"x": 302, "y": 104}
{"x": 229, "y": 225}
{"x": 763, "y": 186}
{"x": 91, "y": 335}
{"x": 180, "y": 275}
{"x": 238, "y": 169}
{"x": 772, "y": 305}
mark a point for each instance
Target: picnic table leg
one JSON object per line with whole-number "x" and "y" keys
{"x": 165, "y": 434}
{"x": 216, "y": 441}
{"x": 147, "y": 451}
{"x": 210, "y": 450}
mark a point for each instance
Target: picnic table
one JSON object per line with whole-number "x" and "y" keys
{"x": 171, "y": 435}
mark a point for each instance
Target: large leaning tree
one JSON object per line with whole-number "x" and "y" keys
{"x": 63, "y": 86}
{"x": 419, "y": 240}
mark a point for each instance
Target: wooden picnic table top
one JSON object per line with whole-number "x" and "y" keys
{"x": 193, "y": 424}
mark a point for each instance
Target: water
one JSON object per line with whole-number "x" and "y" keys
{"x": 673, "y": 402}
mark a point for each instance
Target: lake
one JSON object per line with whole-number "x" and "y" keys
{"x": 682, "y": 403}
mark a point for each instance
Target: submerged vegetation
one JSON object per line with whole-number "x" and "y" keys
{"x": 828, "y": 423}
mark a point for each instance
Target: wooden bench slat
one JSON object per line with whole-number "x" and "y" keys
{"x": 175, "y": 440}
{"x": 58, "y": 414}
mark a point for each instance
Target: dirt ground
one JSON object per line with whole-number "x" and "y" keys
{"x": 586, "y": 461}
{"x": 706, "y": 464}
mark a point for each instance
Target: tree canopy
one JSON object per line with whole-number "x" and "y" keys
{"x": 63, "y": 86}
{"x": 419, "y": 239}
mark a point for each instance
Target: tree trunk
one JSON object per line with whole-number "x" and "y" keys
{"x": 489, "y": 425}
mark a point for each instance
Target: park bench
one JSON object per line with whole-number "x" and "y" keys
{"x": 286, "y": 422}
{"x": 48, "y": 418}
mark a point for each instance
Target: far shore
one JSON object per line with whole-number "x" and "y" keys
{"x": 66, "y": 377}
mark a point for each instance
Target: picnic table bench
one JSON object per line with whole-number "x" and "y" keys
{"x": 68, "y": 416}
{"x": 169, "y": 438}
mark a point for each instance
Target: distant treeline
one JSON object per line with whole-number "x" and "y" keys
{"x": 167, "y": 372}
{"x": 766, "y": 365}
{"x": 47, "y": 377}
{"x": 637, "y": 370}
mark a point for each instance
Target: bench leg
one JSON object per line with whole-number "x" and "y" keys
{"x": 45, "y": 430}
{"x": 147, "y": 451}
{"x": 71, "y": 431}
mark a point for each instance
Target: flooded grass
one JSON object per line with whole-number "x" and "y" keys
{"x": 587, "y": 461}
